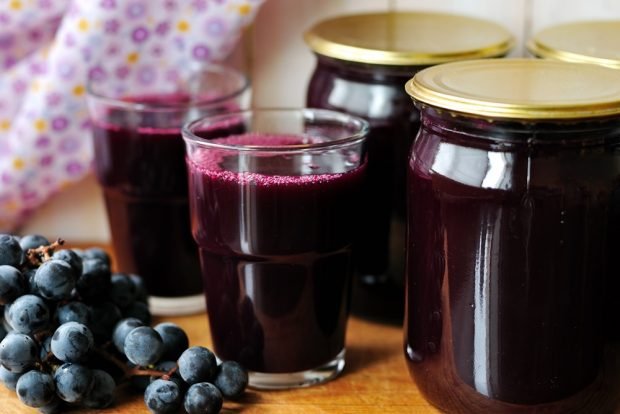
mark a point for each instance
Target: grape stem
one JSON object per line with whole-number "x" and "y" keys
{"x": 42, "y": 253}
{"x": 135, "y": 371}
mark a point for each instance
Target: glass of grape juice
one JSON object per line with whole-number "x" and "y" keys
{"x": 274, "y": 200}
{"x": 139, "y": 162}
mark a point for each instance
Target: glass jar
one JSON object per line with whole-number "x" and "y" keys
{"x": 582, "y": 42}
{"x": 513, "y": 222}
{"x": 363, "y": 62}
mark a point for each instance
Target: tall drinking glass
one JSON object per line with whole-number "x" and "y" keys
{"x": 274, "y": 197}
{"x": 139, "y": 162}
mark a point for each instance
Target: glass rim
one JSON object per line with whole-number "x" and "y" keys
{"x": 360, "y": 135}
{"x": 145, "y": 106}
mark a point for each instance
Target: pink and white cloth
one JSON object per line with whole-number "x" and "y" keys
{"x": 49, "y": 49}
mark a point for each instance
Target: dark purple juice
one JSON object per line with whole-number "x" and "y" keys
{"x": 508, "y": 273}
{"x": 377, "y": 94}
{"x": 275, "y": 247}
{"x": 142, "y": 170}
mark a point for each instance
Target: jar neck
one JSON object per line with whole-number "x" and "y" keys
{"x": 578, "y": 132}
{"x": 366, "y": 70}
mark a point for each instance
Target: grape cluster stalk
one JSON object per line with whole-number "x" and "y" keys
{"x": 73, "y": 330}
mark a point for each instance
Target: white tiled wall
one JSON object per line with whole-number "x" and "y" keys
{"x": 280, "y": 64}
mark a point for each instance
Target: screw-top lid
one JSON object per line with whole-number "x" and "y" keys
{"x": 519, "y": 89}
{"x": 407, "y": 38}
{"x": 584, "y": 42}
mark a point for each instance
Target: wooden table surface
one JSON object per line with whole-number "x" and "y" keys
{"x": 375, "y": 380}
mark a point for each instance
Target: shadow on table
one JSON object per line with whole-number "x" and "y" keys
{"x": 249, "y": 398}
{"x": 362, "y": 356}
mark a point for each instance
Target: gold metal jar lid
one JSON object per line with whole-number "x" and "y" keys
{"x": 519, "y": 89}
{"x": 407, "y": 38}
{"x": 595, "y": 42}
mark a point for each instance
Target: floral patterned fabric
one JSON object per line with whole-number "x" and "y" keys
{"x": 49, "y": 49}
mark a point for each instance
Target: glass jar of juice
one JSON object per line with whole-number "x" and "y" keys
{"x": 582, "y": 41}
{"x": 513, "y": 225}
{"x": 363, "y": 62}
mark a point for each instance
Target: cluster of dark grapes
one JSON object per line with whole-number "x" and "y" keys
{"x": 72, "y": 330}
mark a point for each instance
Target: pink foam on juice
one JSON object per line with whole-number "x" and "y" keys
{"x": 211, "y": 161}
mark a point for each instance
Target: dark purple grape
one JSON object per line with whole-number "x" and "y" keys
{"x": 72, "y": 342}
{"x": 97, "y": 253}
{"x": 122, "y": 328}
{"x": 141, "y": 292}
{"x": 143, "y": 346}
{"x": 231, "y": 379}
{"x": 8, "y": 378}
{"x": 74, "y": 312}
{"x": 203, "y": 398}
{"x": 32, "y": 241}
{"x": 71, "y": 257}
{"x": 101, "y": 393}
{"x": 123, "y": 290}
{"x": 197, "y": 364}
{"x": 55, "y": 280}
{"x": 94, "y": 284}
{"x": 12, "y": 284}
{"x": 18, "y": 352}
{"x": 175, "y": 340}
{"x": 54, "y": 407}
{"x": 73, "y": 382}
{"x": 104, "y": 317}
{"x": 28, "y": 314}
{"x": 162, "y": 396}
{"x": 35, "y": 388}
{"x": 138, "y": 310}
{"x": 11, "y": 252}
